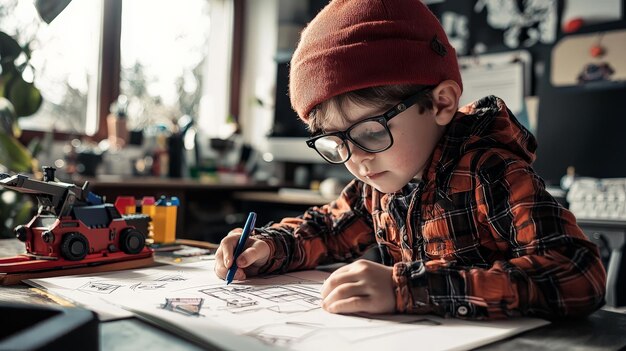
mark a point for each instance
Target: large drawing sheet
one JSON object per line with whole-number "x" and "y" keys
{"x": 271, "y": 312}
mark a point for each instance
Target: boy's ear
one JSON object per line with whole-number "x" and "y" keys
{"x": 446, "y": 97}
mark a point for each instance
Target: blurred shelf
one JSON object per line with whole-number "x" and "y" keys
{"x": 172, "y": 183}
{"x": 284, "y": 196}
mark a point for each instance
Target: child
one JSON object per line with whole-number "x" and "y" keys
{"x": 463, "y": 225}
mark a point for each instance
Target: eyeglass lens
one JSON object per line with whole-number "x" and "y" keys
{"x": 370, "y": 135}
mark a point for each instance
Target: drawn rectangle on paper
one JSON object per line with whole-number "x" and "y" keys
{"x": 270, "y": 312}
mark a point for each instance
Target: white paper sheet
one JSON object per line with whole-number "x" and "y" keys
{"x": 592, "y": 12}
{"x": 505, "y": 81}
{"x": 277, "y": 311}
{"x": 505, "y": 75}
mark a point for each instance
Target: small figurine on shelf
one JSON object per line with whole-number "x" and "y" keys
{"x": 116, "y": 123}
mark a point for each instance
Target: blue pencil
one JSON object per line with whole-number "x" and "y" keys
{"x": 240, "y": 245}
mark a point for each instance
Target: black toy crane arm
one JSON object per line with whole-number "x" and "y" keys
{"x": 54, "y": 197}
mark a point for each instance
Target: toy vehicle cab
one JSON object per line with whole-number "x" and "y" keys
{"x": 73, "y": 227}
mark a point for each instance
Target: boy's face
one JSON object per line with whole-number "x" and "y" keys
{"x": 415, "y": 136}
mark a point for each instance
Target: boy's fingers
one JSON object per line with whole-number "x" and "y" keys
{"x": 228, "y": 245}
{"x": 248, "y": 257}
{"x": 220, "y": 269}
{"x": 345, "y": 291}
{"x": 240, "y": 275}
{"x": 219, "y": 260}
{"x": 352, "y": 304}
{"x": 218, "y": 253}
{"x": 258, "y": 251}
{"x": 344, "y": 268}
{"x": 336, "y": 279}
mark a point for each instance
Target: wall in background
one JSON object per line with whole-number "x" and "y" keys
{"x": 581, "y": 125}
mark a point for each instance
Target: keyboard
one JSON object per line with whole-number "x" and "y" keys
{"x": 593, "y": 198}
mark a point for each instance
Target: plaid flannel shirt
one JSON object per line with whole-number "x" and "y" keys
{"x": 478, "y": 238}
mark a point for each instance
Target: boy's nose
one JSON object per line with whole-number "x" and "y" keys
{"x": 357, "y": 154}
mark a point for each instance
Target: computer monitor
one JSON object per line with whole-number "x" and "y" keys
{"x": 286, "y": 140}
{"x": 584, "y": 128}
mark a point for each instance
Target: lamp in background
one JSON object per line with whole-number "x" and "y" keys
{"x": 49, "y": 9}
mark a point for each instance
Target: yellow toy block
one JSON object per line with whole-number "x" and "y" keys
{"x": 148, "y": 209}
{"x": 164, "y": 224}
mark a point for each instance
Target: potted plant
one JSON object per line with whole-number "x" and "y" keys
{"x": 18, "y": 98}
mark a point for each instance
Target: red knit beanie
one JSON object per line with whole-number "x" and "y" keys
{"x": 356, "y": 44}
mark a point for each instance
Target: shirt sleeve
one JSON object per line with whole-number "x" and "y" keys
{"x": 550, "y": 270}
{"x": 337, "y": 232}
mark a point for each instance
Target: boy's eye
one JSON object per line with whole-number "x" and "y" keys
{"x": 376, "y": 134}
{"x": 370, "y": 134}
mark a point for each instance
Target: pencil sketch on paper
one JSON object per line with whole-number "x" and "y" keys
{"x": 109, "y": 287}
{"x": 147, "y": 286}
{"x": 171, "y": 278}
{"x": 185, "y": 306}
{"x": 119, "y": 284}
{"x": 287, "y": 334}
{"x": 99, "y": 288}
{"x": 283, "y": 310}
{"x": 234, "y": 298}
{"x": 285, "y": 299}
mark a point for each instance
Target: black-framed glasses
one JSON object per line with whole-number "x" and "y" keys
{"x": 370, "y": 135}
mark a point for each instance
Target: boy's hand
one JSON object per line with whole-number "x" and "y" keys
{"x": 362, "y": 286}
{"x": 251, "y": 259}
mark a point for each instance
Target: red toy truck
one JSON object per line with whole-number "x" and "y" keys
{"x": 73, "y": 227}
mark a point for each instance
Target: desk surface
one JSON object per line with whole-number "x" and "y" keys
{"x": 603, "y": 330}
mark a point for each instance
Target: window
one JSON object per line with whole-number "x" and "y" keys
{"x": 63, "y": 63}
{"x": 167, "y": 50}
{"x": 164, "y": 46}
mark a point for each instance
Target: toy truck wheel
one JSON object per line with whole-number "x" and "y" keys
{"x": 21, "y": 233}
{"x": 132, "y": 241}
{"x": 74, "y": 247}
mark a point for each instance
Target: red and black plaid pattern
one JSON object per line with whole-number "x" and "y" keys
{"x": 479, "y": 237}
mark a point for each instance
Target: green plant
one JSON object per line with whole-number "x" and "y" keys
{"x": 14, "y": 207}
{"x": 18, "y": 97}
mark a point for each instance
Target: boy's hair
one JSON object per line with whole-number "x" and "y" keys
{"x": 382, "y": 97}
{"x": 356, "y": 44}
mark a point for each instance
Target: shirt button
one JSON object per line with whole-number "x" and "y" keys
{"x": 405, "y": 237}
{"x": 462, "y": 310}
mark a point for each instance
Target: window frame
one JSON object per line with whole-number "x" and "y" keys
{"x": 109, "y": 67}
